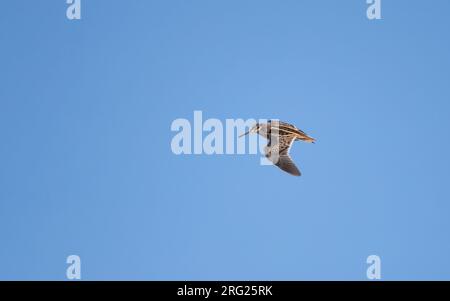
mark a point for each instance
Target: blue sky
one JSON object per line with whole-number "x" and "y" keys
{"x": 86, "y": 166}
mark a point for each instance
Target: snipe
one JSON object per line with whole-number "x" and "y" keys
{"x": 280, "y": 136}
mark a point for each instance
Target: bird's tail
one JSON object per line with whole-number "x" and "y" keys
{"x": 306, "y": 138}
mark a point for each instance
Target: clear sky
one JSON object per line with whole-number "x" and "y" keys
{"x": 86, "y": 166}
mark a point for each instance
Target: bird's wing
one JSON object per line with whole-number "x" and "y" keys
{"x": 283, "y": 126}
{"x": 287, "y": 124}
{"x": 285, "y": 163}
{"x": 278, "y": 153}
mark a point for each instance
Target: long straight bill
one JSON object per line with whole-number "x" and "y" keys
{"x": 244, "y": 134}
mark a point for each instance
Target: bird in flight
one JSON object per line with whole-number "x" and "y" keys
{"x": 280, "y": 136}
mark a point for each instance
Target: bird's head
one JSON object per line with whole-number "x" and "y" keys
{"x": 254, "y": 129}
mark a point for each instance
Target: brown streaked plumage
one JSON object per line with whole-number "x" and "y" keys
{"x": 280, "y": 137}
